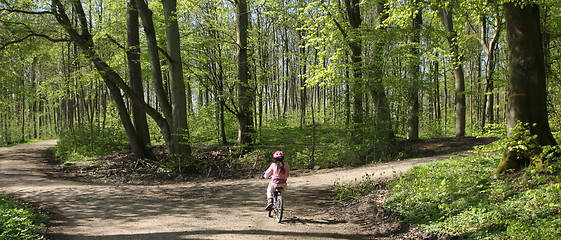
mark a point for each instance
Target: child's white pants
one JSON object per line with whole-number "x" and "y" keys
{"x": 271, "y": 189}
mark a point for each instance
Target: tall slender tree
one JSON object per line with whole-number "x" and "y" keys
{"x": 460, "y": 98}
{"x": 414, "y": 72}
{"x": 135, "y": 77}
{"x": 381, "y": 104}
{"x": 353, "y": 39}
{"x": 180, "y": 131}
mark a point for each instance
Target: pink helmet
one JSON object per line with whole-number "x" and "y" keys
{"x": 278, "y": 154}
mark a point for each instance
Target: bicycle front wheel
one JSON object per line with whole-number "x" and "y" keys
{"x": 279, "y": 209}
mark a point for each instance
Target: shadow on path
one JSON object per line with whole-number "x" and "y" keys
{"x": 204, "y": 234}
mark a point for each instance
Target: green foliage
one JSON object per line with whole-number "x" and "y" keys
{"x": 354, "y": 189}
{"x": 522, "y": 140}
{"x": 204, "y": 126}
{"x": 332, "y": 147}
{"x": 18, "y": 221}
{"x": 432, "y": 130}
{"x": 457, "y": 197}
{"x": 79, "y": 144}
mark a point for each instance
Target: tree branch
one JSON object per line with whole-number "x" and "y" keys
{"x": 32, "y": 35}
{"x": 24, "y": 12}
{"x": 85, "y": 31}
{"x": 481, "y": 40}
{"x": 337, "y": 24}
{"x": 165, "y": 53}
{"x": 111, "y": 39}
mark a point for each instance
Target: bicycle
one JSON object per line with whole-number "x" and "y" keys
{"x": 277, "y": 204}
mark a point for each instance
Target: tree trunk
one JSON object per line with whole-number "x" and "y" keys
{"x": 221, "y": 107}
{"x": 135, "y": 76}
{"x": 490, "y": 47}
{"x": 383, "y": 121}
{"x": 180, "y": 131}
{"x": 446, "y": 17}
{"x": 302, "y": 68}
{"x": 527, "y": 89}
{"x": 136, "y": 144}
{"x": 244, "y": 89}
{"x": 413, "y": 74}
{"x": 156, "y": 68}
{"x": 357, "y": 86}
{"x": 22, "y": 111}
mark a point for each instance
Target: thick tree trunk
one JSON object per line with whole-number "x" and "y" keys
{"x": 244, "y": 89}
{"x": 527, "y": 89}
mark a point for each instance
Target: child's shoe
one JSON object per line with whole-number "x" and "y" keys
{"x": 269, "y": 205}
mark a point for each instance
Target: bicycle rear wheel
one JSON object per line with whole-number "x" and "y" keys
{"x": 279, "y": 209}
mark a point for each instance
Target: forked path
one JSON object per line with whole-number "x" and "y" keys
{"x": 229, "y": 209}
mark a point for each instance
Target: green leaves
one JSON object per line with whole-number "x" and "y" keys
{"x": 79, "y": 144}
{"x": 354, "y": 189}
{"x": 19, "y": 222}
{"x": 457, "y": 197}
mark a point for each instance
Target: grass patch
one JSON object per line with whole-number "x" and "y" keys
{"x": 18, "y": 221}
{"x": 458, "y": 197}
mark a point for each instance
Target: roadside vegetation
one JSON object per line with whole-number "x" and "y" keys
{"x": 461, "y": 196}
{"x": 19, "y": 221}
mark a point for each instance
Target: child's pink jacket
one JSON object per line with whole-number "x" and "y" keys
{"x": 278, "y": 177}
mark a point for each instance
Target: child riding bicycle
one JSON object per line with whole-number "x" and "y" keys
{"x": 280, "y": 172}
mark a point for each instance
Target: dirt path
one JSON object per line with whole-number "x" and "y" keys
{"x": 200, "y": 210}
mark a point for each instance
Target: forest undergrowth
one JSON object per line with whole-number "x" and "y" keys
{"x": 460, "y": 198}
{"x": 107, "y": 159}
{"x": 19, "y": 220}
